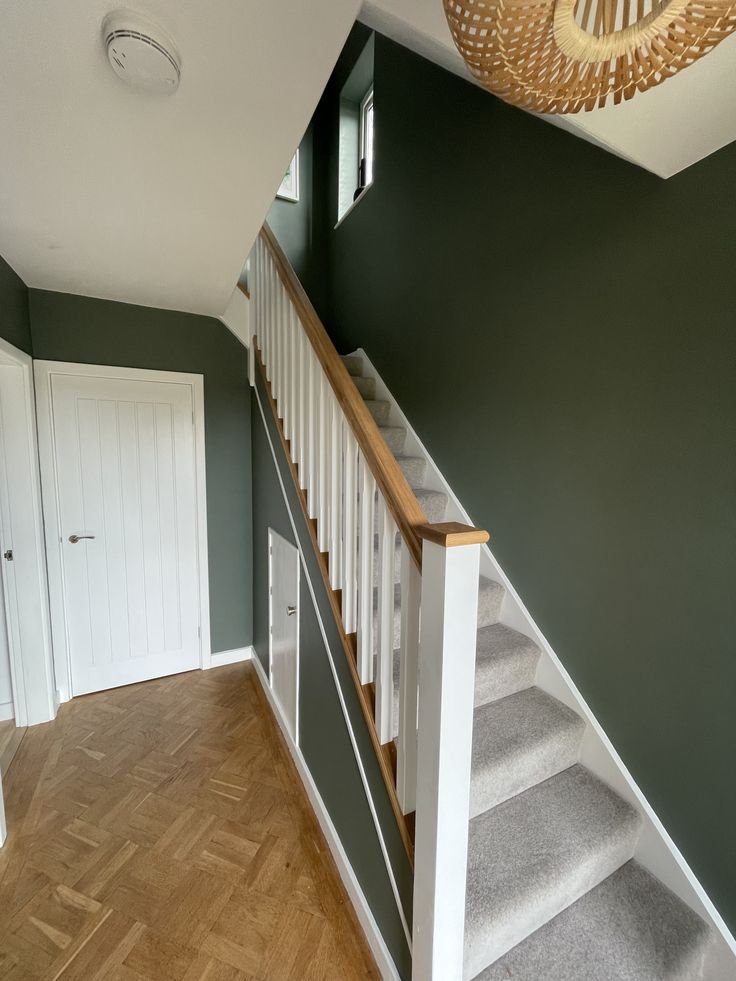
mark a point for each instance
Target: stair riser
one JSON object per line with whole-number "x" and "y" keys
{"x": 366, "y": 386}
{"x": 379, "y": 410}
{"x": 414, "y": 468}
{"x": 505, "y": 675}
{"x": 395, "y": 439}
{"x": 494, "y": 785}
{"x": 354, "y": 365}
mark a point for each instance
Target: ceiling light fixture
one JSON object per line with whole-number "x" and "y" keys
{"x": 561, "y": 56}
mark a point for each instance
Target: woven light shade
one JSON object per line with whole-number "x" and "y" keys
{"x": 561, "y": 56}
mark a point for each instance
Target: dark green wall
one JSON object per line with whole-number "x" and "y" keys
{"x": 323, "y": 734}
{"x": 291, "y": 221}
{"x": 76, "y": 328}
{"x": 560, "y": 328}
{"x": 15, "y": 325}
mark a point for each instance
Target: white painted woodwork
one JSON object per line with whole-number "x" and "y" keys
{"x": 24, "y": 580}
{"x": 365, "y": 577}
{"x": 123, "y": 460}
{"x": 385, "y": 638}
{"x": 323, "y": 464}
{"x": 350, "y": 531}
{"x": 449, "y": 612}
{"x": 336, "y": 498}
{"x": 283, "y": 568}
{"x": 406, "y": 757}
{"x": 312, "y": 431}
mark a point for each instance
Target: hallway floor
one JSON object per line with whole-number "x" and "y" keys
{"x": 160, "y": 831}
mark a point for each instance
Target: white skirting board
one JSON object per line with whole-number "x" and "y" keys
{"x": 383, "y": 959}
{"x": 6, "y": 711}
{"x": 230, "y": 657}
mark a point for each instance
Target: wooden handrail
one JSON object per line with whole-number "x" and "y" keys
{"x": 398, "y": 495}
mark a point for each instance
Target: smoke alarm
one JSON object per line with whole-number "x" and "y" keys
{"x": 141, "y": 53}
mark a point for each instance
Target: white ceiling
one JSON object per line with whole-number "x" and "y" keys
{"x": 664, "y": 130}
{"x": 153, "y": 199}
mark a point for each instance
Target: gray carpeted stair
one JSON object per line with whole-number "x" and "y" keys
{"x": 629, "y": 928}
{"x": 505, "y": 662}
{"x": 534, "y": 855}
{"x": 552, "y": 891}
{"x": 519, "y": 741}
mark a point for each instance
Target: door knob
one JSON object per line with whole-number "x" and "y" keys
{"x": 290, "y": 611}
{"x": 77, "y": 538}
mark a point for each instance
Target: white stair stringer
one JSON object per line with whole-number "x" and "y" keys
{"x": 571, "y": 875}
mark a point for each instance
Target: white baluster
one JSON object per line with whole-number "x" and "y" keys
{"x": 365, "y": 574}
{"x": 385, "y": 652}
{"x": 448, "y": 626}
{"x": 289, "y": 366}
{"x": 312, "y": 420}
{"x": 350, "y": 533}
{"x": 406, "y": 761}
{"x": 323, "y": 464}
{"x": 267, "y": 318}
{"x": 303, "y": 407}
{"x": 336, "y": 482}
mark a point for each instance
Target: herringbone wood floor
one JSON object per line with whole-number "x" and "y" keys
{"x": 160, "y": 831}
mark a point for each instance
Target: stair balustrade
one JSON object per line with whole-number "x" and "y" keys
{"x": 407, "y": 590}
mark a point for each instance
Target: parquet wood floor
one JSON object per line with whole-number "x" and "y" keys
{"x": 161, "y": 831}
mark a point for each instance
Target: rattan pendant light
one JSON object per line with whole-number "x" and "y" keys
{"x": 561, "y": 56}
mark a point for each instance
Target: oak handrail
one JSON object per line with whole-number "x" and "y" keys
{"x": 398, "y": 495}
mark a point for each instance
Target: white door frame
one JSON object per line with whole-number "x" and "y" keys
{"x": 44, "y": 371}
{"x": 25, "y": 588}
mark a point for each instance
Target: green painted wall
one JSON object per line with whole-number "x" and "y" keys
{"x": 77, "y": 328}
{"x": 15, "y": 325}
{"x": 560, "y": 328}
{"x": 323, "y": 734}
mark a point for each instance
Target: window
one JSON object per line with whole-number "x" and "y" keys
{"x": 365, "y": 176}
{"x": 356, "y": 139}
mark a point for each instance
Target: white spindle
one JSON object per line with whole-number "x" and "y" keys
{"x": 335, "y": 493}
{"x": 303, "y": 406}
{"x": 267, "y": 318}
{"x": 312, "y": 432}
{"x": 406, "y": 760}
{"x": 365, "y": 574}
{"x": 290, "y": 360}
{"x": 278, "y": 346}
{"x": 350, "y": 532}
{"x": 449, "y": 609}
{"x": 385, "y": 638}
{"x": 323, "y": 464}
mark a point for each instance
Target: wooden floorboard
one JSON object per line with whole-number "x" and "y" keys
{"x": 160, "y": 831}
{"x": 10, "y": 739}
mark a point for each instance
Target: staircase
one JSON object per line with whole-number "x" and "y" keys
{"x": 526, "y": 863}
{"x": 553, "y": 892}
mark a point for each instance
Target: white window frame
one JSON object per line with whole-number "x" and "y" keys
{"x": 366, "y": 105}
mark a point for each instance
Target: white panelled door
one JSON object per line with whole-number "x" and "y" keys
{"x": 284, "y": 624}
{"x": 124, "y": 457}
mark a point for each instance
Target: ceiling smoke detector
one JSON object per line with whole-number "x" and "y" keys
{"x": 141, "y": 53}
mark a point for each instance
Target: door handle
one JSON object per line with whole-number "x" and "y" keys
{"x": 77, "y": 538}
{"x": 290, "y": 611}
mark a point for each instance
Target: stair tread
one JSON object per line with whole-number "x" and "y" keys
{"x": 629, "y": 928}
{"x": 505, "y": 662}
{"x": 537, "y": 853}
{"x": 434, "y": 503}
{"x": 519, "y": 741}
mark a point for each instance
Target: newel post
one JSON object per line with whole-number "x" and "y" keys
{"x": 447, "y": 642}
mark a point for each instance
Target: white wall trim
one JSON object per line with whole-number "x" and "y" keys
{"x": 221, "y": 658}
{"x": 7, "y": 711}
{"x": 44, "y": 371}
{"x": 656, "y": 849}
{"x": 340, "y": 696}
{"x": 25, "y": 588}
{"x": 237, "y": 316}
{"x": 384, "y": 961}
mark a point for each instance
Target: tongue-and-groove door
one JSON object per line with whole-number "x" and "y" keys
{"x": 124, "y": 462}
